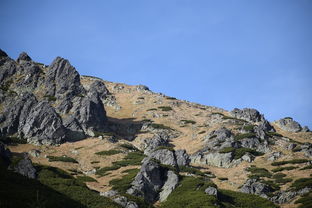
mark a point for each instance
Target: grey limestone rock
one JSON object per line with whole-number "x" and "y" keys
{"x": 43, "y": 125}
{"x": 288, "y": 124}
{"x": 109, "y": 194}
{"x": 170, "y": 184}
{"x": 23, "y": 57}
{"x": 25, "y": 168}
{"x": 164, "y": 156}
{"x": 34, "y": 153}
{"x": 212, "y": 191}
{"x": 157, "y": 140}
{"x": 99, "y": 88}
{"x": 248, "y": 114}
{"x": 274, "y": 156}
{"x": 183, "y": 159}
{"x": 253, "y": 186}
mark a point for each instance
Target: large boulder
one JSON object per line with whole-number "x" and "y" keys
{"x": 288, "y": 124}
{"x": 183, "y": 159}
{"x": 25, "y": 168}
{"x": 248, "y": 114}
{"x": 153, "y": 182}
{"x": 43, "y": 125}
{"x": 253, "y": 186}
{"x": 170, "y": 184}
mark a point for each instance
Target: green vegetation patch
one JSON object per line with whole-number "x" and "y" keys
{"x": 240, "y": 152}
{"x": 152, "y": 109}
{"x": 188, "y": 121}
{"x": 248, "y": 127}
{"x": 165, "y": 108}
{"x": 301, "y": 183}
{"x": 244, "y": 136}
{"x": 133, "y": 158}
{"x": 308, "y": 167}
{"x": 13, "y": 140}
{"x": 54, "y": 188}
{"x": 129, "y": 147}
{"x": 50, "y": 98}
{"x": 283, "y": 168}
{"x": 259, "y": 172}
{"x": 295, "y": 161}
{"x": 109, "y": 152}
{"x": 305, "y": 201}
{"x": 85, "y": 179}
{"x": 123, "y": 184}
{"x": 191, "y": 170}
{"x": 61, "y": 159}
{"x": 271, "y": 134}
{"x": 201, "y": 132}
{"x": 160, "y": 126}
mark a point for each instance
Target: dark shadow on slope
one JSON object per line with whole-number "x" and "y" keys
{"x": 126, "y": 128}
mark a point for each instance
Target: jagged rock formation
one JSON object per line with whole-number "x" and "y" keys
{"x": 50, "y": 103}
{"x": 253, "y": 186}
{"x": 288, "y": 124}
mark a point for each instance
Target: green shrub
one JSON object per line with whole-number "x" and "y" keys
{"x": 63, "y": 158}
{"x": 190, "y": 193}
{"x": 244, "y": 136}
{"x": 283, "y": 180}
{"x": 259, "y": 172}
{"x": 273, "y": 186}
{"x": 201, "y": 132}
{"x": 160, "y": 126}
{"x": 308, "y": 167}
{"x": 50, "y": 98}
{"x": 227, "y": 150}
{"x": 301, "y": 183}
{"x": 305, "y": 201}
{"x": 188, "y": 121}
{"x": 248, "y": 127}
{"x": 279, "y": 175}
{"x": 191, "y": 170}
{"x": 294, "y": 161}
{"x": 109, "y": 152}
{"x": 165, "y": 108}
{"x": 13, "y": 140}
{"x": 129, "y": 147}
{"x": 271, "y": 134}
{"x": 223, "y": 179}
{"x": 171, "y": 98}
{"x": 133, "y": 158}
{"x": 152, "y": 109}
{"x": 283, "y": 168}
{"x": 85, "y": 179}
{"x": 95, "y": 162}
{"x": 231, "y": 199}
{"x": 164, "y": 147}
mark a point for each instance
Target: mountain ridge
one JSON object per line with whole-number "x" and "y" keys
{"x": 85, "y": 117}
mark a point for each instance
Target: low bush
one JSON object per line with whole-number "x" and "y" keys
{"x": 50, "y": 98}
{"x": 129, "y": 147}
{"x": 305, "y": 201}
{"x": 295, "y": 161}
{"x": 259, "y": 172}
{"x": 244, "y": 136}
{"x": 160, "y": 126}
{"x": 201, "y": 132}
{"x": 308, "y": 167}
{"x": 152, "y": 109}
{"x": 188, "y": 121}
{"x": 63, "y": 158}
{"x": 109, "y": 152}
{"x": 301, "y": 183}
{"x": 133, "y": 158}
{"x": 85, "y": 179}
{"x": 248, "y": 127}
{"x": 165, "y": 108}
{"x": 283, "y": 168}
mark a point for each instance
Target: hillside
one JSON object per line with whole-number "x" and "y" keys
{"x": 136, "y": 148}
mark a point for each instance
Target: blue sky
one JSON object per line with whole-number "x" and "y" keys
{"x": 228, "y": 54}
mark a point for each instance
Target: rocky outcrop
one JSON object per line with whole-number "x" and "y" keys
{"x": 170, "y": 184}
{"x": 50, "y": 104}
{"x": 224, "y": 160}
{"x": 43, "y": 125}
{"x": 150, "y": 144}
{"x": 253, "y": 186}
{"x": 25, "y": 167}
{"x": 183, "y": 159}
{"x": 283, "y": 197}
{"x": 248, "y": 114}
{"x": 153, "y": 182}
{"x": 288, "y": 124}
{"x": 211, "y": 191}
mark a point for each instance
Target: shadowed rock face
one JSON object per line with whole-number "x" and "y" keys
{"x": 49, "y": 104}
{"x": 248, "y": 114}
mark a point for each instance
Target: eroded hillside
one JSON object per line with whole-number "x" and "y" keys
{"x": 141, "y": 148}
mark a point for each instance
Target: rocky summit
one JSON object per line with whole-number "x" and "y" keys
{"x": 68, "y": 140}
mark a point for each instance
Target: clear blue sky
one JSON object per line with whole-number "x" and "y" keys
{"x": 228, "y": 54}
